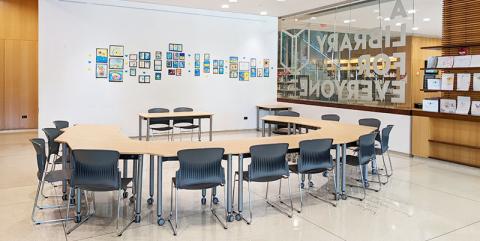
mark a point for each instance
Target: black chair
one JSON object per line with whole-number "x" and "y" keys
{"x": 61, "y": 124}
{"x": 315, "y": 158}
{"x": 159, "y": 124}
{"x": 282, "y": 129}
{"x": 366, "y": 154}
{"x": 184, "y": 123}
{"x": 384, "y": 149}
{"x": 331, "y": 117}
{"x": 268, "y": 164}
{"x": 95, "y": 171}
{"x": 372, "y": 122}
{"x": 43, "y": 175}
{"x": 199, "y": 169}
{"x": 53, "y": 146}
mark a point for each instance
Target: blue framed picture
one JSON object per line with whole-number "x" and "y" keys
{"x": 197, "y": 72}
{"x": 175, "y": 64}
{"x": 158, "y": 76}
{"x": 169, "y": 55}
{"x": 181, "y": 64}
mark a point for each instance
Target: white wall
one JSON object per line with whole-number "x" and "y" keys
{"x": 70, "y": 31}
{"x": 400, "y": 137}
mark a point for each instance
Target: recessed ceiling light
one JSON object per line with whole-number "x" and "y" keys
{"x": 426, "y": 19}
{"x": 398, "y": 24}
{"x": 349, "y": 20}
{"x": 313, "y": 18}
{"x": 296, "y": 20}
{"x": 263, "y": 13}
{"x": 411, "y": 11}
{"x": 233, "y": 1}
{"x": 386, "y": 19}
{"x": 379, "y": 17}
{"x": 376, "y": 10}
{"x": 225, "y": 6}
{"x": 281, "y": 0}
{"x": 414, "y": 28}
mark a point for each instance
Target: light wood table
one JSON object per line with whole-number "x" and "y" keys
{"x": 174, "y": 116}
{"x": 108, "y": 137}
{"x": 272, "y": 109}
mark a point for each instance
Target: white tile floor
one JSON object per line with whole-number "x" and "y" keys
{"x": 424, "y": 200}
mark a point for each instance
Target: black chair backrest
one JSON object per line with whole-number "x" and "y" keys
{"x": 268, "y": 162}
{"x": 61, "y": 124}
{"x": 385, "y": 138}
{"x": 200, "y": 168}
{"x": 366, "y": 148}
{"x": 331, "y": 117}
{"x": 157, "y": 121}
{"x": 52, "y": 134}
{"x": 288, "y": 113}
{"x": 95, "y": 170}
{"x": 39, "y": 145}
{"x": 315, "y": 155}
{"x": 372, "y": 122}
{"x": 183, "y": 120}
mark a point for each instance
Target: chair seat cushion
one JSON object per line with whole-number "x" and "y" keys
{"x": 378, "y": 151}
{"x": 197, "y": 186}
{"x": 58, "y": 175}
{"x": 284, "y": 131}
{"x": 263, "y": 179}
{"x": 128, "y": 157}
{"x": 294, "y": 168}
{"x": 188, "y": 127}
{"x": 59, "y": 160}
{"x": 161, "y": 128}
{"x": 105, "y": 188}
{"x": 352, "y": 160}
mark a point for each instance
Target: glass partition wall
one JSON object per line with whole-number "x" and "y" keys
{"x": 357, "y": 53}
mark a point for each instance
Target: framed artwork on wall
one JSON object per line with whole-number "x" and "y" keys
{"x": 116, "y": 50}
{"x": 102, "y": 55}
{"x": 132, "y": 57}
{"x": 157, "y": 65}
{"x": 259, "y": 72}
{"x": 133, "y": 72}
{"x": 158, "y": 55}
{"x": 115, "y": 75}
{"x": 132, "y": 64}
{"x": 144, "y": 79}
{"x": 158, "y": 76}
{"x": 171, "y": 72}
{"x": 101, "y": 71}
{"x": 115, "y": 63}
{"x": 178, "y": 72}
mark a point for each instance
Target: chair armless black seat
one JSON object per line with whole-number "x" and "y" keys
{"x": 185, "y": 123}
{"x": 384, "y": 149}
{"x": 53, "y": 146}
{"x": 199, "y": 169}
{"x": 268, "y": 163}
{"x": 95, "y": 171}
{"x": 44, "y": 175}
{"x": 61, "y": 124}
{"x": 158, "y": 124}
{"x": 282, "y": 129}
{"x": 366, "y": 154}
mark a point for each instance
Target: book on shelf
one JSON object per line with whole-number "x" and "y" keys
{"x": 448, "y": 105}
{"x": 430, "y": 105}
{"x": 475, "y": 62}
{"x": 445, "y": 62}
{"x": 463, "y": 81}
{"x": 476, "y": 82}
{"x": 447, "y": 81}
{"x": 462, "y": 61}
{"x": 463, "y": 105}
{"x": 475, "y": 110}
{"x": 432, "y": 62}
{"x": 434, "y": 84}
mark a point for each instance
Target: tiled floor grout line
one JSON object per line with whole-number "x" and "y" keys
{"x": 452, "y": 231}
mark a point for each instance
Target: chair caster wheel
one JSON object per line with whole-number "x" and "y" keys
{"x": 230, "y": 218}
{"x": 344, "y": 196}
{"x": 72, "y": 201}
{"x": 125, "y": 194}
{"x": 215, "y": 200}
{"x": 204, "y": 201}
{"x": 65, "y": 197}
{"x": 325, "y": 174}
{"x": 150, "y": 201}
{"x": 161, "y": 221}
{"x": 310, "y": 184}
{"x": 302, "y": 185}
{"x": 78, "y": 219}
{"x": 132, "y": 199}
{"x": 137, "y": 218}
{"x": 238, "y": 217}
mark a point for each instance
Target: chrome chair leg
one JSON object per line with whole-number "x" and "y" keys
{"x": 249, "y": 204}
{"x": 173, "y": 221}
{"x": 290, "y": 195}
{"x": 301, "y": 193}
{"x": 363, "y": 186}
{"x": 224, "y": 224}
{"x": 390, "y": 161}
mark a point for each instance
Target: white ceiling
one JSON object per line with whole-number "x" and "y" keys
{"x": 272, "y": 7}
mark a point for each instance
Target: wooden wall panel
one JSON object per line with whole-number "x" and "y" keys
{"x": 21, "y": 84}
{"x": 2, "y": 84}
{"x": 19, "y": 19}
{"x": 420, "y": 135}
{"x": 417, "y": 60}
